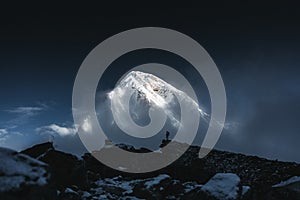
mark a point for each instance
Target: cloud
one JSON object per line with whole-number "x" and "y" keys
{"x": 3, "y": 135}
{"x": 264, "y": 101}
{"x": 86, "y": 125}
{"x": 27, "y": 110}
{"x": 231, "y": 126}
{"x": 21, "y": 115}
{"x": 65, "y": 138}
{"x": 3, "y": 132}
{"x": 55, "y": 129}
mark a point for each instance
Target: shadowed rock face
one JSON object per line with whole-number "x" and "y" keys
{"x": 66, "y": 169}
{"x": 288, "y": 189}
{"x": 38, "y": 149}
{"x": 22, "y": 177}
{"x": 220, "y": 175}
{"x": 256, "y": 175}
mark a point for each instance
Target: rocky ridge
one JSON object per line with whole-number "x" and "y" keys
{"x": 220, "y": 175}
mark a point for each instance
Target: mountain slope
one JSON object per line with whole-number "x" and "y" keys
{"x": 245, "y": 177}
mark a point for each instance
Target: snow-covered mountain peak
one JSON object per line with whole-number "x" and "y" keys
{"x": 148, "y": 86}
{"x": 142, "y": 104}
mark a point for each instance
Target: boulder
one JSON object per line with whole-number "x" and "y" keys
{"x": 66, "y": 169}
{"x": 23, "y": 177}
{"x": 289, "y": 189}
{"x": 69, "y": 194}
{"x": 153, "y": 188}
{"x": 222, "y": 186}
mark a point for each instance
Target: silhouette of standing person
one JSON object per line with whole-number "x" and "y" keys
{"x": 167, "y": 135}
{"x": 164, "y": 142}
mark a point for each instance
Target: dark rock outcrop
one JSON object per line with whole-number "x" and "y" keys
{"x": 66, "y": 169}
{"x": 38, "y": 150}
{"x": 22, "y": 177}
{"x": 288, "y": 189}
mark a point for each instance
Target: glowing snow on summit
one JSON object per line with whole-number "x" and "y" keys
{"x": 147, "y": 85}
{"x": 154, "y": 90}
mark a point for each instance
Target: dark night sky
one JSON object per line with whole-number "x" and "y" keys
{"x": 255, "y": 46}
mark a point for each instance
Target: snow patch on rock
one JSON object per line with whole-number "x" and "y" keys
{"x": 223, "y": 186}
{"x": 156, "y": 180}
{"x": 18, "y": 170}
{"x": 288, "y": 182}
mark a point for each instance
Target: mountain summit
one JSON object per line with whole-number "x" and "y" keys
{"x": 142, "y": 104}
{"x": 150, "y": 87}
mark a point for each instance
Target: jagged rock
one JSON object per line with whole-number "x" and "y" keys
{"x": 38, "y": 150}
{"x": 246, "y": 192}
{"x": 289, "y": 189}
{"x": 69, "y": 194}
{"x": 22, "y": 177}
{"x": 153, "y": 188}
{"x": 222, "y": 186}
{"x": 66, "y": 169}
{"x": 158, "y": 187}
{"x": 113, "y": 188}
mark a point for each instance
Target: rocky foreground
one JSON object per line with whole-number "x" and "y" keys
{"x": 41, "y": 172}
